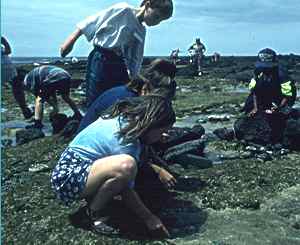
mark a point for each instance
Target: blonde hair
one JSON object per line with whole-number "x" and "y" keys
{"x": 165, "y": 7}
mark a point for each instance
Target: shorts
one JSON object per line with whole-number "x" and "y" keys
{"x": 62, "y": 87}
{"x": 69, "y": 177}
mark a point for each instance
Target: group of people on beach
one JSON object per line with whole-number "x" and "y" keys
{"x": 128, "y": 110}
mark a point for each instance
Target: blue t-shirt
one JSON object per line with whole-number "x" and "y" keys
{"x": 103, "y": 102}
{"x": 101, "y": 139}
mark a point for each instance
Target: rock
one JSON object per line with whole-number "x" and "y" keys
{"x": 291, "y": 135}
{"x": 265, "y": 157}
{"x": 27, "y": 135}
{"x": 253, "y": 129}
{"x": 192, "y": 147}
{"x": 58, "y": 122}
{"x": 180, "y": 135}
{"x": 193, "y": 160}
{"x": 39, "y": 168}
{"x": 224, "y": 133}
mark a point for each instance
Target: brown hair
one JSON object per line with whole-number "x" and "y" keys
{"x": 142, "y": 113}
{"x": 165, "y": 6}
{"x": 152, "y": 78}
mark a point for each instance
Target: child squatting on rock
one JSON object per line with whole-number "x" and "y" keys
{"x": 118, "y": 36}
{"x": 102, "y": 160}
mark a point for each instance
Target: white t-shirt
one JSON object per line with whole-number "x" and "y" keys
{"x": 117, "y": 28}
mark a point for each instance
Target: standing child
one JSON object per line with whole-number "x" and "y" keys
{"x": 102, "y": 160}
{"x": 198, "y": 50}
{"x": 118, "y": 36}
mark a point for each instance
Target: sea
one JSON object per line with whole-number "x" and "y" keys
{"x": 47, "y": 60}
{"x": 43, "y": 60}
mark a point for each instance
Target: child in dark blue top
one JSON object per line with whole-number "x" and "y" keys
{"x": 159, "y": 74}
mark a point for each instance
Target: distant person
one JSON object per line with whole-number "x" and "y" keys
{"x": 118, "y": 36}
{"x": 102, "y": 160}
{"x": 8, "y": 70}
{"x": 159, "y": 74}
{"x": 174, "y": 56}
{"x": 197, "y": 51}
{"x": 44, "y": 82}
{"x": 215, "y": 58}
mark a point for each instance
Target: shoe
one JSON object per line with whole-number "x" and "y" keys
{"x": 84, "y": 219}
{"x": 99, "y": 227}
{"x": 200, "y": 74}
{"x": 27, "y": 113}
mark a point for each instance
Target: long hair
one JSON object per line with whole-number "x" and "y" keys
{"x": 165, "y": 7}
{"x": 142, "y": 114}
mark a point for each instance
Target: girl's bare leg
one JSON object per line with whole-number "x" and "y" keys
{"x": 108, "y": 177}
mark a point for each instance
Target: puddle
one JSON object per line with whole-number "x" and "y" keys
{"x": 209, "y": 126}
{"x": 10, "y": 128}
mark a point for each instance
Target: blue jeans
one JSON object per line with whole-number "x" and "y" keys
{"x": 105, "y": 70}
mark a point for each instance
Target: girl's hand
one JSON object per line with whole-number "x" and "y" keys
{"x": 156, "y": 227}
{"x": 166, "y": 178}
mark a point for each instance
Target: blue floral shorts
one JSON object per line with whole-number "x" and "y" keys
{"x": 70, "y": 175}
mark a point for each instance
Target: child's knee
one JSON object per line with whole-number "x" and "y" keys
{"x": 127, "y": 168}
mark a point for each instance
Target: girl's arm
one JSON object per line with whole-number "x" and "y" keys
{"x": 67, "y": 46}
{"x": 133, "y": 201}
{"x": 164, "y": 176}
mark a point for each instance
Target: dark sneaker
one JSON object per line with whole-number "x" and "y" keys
{"x": 27, "y": 113}
{"x": 99, "y": 226}
{"x": 84, "y": 220}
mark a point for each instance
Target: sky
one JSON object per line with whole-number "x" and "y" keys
{"x": 232, "y": 27}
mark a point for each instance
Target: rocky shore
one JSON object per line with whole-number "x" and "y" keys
{"x": 246, "y": 193}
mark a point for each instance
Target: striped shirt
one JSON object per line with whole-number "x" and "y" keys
{"x": 44, "y": 75}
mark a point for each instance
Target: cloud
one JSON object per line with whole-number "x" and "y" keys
{"x": 235, "y": 11}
